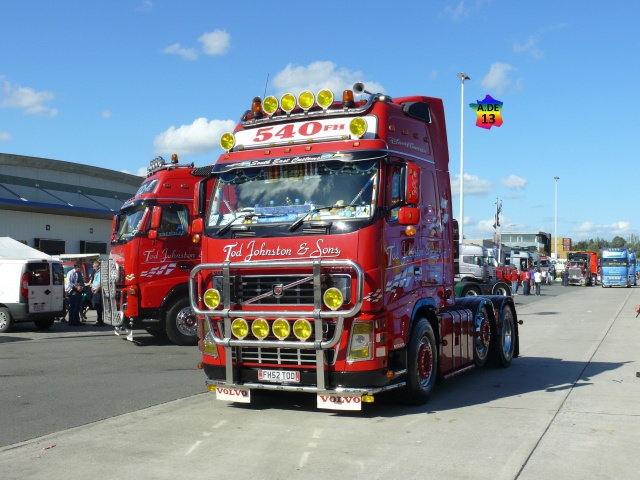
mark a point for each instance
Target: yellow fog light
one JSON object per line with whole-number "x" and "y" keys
{"x": 260, "y": 328}
{"x": 240, "y": 328}
{"x": 211, "y": 387}
{"x": 367, "y": 398}
{"x": 333, "y": 298}
{"x": 360, "y": 341}
{"x": 358, "y": 126}
{"x": 211, "y": 349}
{"x": 212, "y": 298}
{"x": 325, "y": 98}
{"x": 302, "y": 329}
{"x": 306, "y": 100}
{"x": 227, "y": 141}
{"x": 288, "y": 102}
{"x": 270, "y": 104}
{"x": 281, "y": 328}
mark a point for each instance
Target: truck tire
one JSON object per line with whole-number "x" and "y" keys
{"x": 484, "y": 333}
{"x": 6, "y": 322}
{"x": 471, "y": 291}
{"x": 501, "y": 289}
{"x": 422, "y": 368}
{"x": 504, "y": 344}
{"x": 44, "y": 323}
{"x": 181, "y": 324}
{"x": 157, "y": 331}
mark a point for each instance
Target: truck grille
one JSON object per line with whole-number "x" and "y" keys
{"x": 295, "y": 289}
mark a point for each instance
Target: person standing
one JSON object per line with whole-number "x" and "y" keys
{"x": 545, "y": 276}
{"x": 515, "y": 278}
{"x": 537, "y": 278}
{"x": 96, "y": 290}
{"x": 526, "y": 285}
{"x": 75, "y": 285}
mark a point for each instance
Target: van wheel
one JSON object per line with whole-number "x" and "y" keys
{"x": 181, "y": 323}
{"x": 6, "y": 322}
{"x": 44, "y": 323}
{"x": 422, "y": 368}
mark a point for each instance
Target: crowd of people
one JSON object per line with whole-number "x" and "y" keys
{"x": 531, "y": 280}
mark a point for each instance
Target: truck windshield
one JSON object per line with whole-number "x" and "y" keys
{"x": 129, "y": 222}
{"x": 614, "y": 262}
{"x": 283, "y": 194}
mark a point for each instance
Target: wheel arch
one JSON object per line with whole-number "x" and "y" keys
{"x": 178, "y": 291}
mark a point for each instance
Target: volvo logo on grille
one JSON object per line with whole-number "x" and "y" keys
{"x": 278, "y": 290}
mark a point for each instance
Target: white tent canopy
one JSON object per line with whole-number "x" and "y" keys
{"x": 12, "y": 249}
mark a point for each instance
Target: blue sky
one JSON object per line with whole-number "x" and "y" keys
{"x": 114, "y": 83}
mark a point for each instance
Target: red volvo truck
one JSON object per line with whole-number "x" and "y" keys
{"x": 145, "y": 281}
{"x": 328, "y": 255}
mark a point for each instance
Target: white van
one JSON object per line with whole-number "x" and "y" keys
{"x": 31, "y": 290}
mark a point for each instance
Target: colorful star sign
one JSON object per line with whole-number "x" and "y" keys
{"x": 489, "y": 112}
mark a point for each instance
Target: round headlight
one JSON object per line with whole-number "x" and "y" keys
{"x": 227, "y": 141}
{"x": 306, "y": 100}
{"x": 270, "y": 104}
{"x": 288, "y": 102}
{"x": 302, "y": 329}
{"x": 333, "y": 298}
{"x": 240, "y": 328}
{"x": 260, "y": 328}
{"x": 211, "y": 298}
{"x": 358, "y": 126}
{"x": 325, "y": 98}
{"x": 281, "y": 328}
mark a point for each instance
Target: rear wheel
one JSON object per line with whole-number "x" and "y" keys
{"x": 482, "y": 337}
{"x": 44, "y": 323}
{"x": 181, "y": 323}
{"x": 422, "y": 368}
{"x": 504, "y": 344}
{"x": 502, "y": 289}
{"x": 6, "y": 322}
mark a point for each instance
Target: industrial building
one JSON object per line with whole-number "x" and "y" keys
{"x": 61, "y": 207}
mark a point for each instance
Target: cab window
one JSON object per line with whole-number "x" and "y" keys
{"x": 174, "y": 221}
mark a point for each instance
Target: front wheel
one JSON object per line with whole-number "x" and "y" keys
{"x": 181, "y": 323}
{"x": 422, "y": 368}
{"x": 44, "y": 323}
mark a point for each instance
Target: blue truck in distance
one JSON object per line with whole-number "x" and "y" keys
{"x": 633, "y": 267}
{"x": 615, "y": 267}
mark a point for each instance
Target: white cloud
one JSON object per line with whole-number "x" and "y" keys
{"x": 26, "y": 99}
{"x": 217, "y": 42}
{"x": 106, "y": 114}
{"x": 498, "y": 77}
{"x": 319, "y": 75}
{"x": 473, "y": 185}
{"x": 4, "y": 137}
{"x": 202, "y": 136}
{"x": 530, "y": 46}
{"x": 146, "y": 6}
{"x": 459, "y": 11}
{"x": 592, "y": 230}
{"x": 185, "y": 53}
{"x": 514, "y": 182}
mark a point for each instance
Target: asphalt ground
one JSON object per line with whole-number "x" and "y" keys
{"x": 568, "y": 408}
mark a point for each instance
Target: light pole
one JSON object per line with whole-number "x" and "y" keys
{"x": 462, "y": 76}
{"x": 555, "y": 233}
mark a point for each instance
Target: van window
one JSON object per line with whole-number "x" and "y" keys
{"x": 58, "y": 274}
{"x": 38, "y": 273}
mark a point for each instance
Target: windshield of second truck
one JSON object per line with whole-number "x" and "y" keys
{"x": 129, "y": 222}
{"x": 320, "y": 190}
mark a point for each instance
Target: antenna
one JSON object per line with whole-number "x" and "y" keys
{"x": 265, "y": 86}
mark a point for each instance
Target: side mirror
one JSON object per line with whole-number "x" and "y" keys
{"x": 197, "y": 225}
{"x": 408, "y": 216}
{"x": 412, "y": 186}
{"x": 156, "y": 216}
{"x": 152, "y": 234}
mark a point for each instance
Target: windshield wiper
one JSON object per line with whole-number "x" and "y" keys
{"x": 295, "y": 225}
{"x": 225, "y": 228}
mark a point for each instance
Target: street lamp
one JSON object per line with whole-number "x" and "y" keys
{"x": 462, "y": 76}
{"x": 555, "y": 234}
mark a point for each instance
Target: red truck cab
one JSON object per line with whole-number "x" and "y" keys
{"x": 145, "y": 281}
{"x": 328, "y": 253}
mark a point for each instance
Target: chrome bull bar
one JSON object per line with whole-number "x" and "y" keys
{"x": 315, "y": 311}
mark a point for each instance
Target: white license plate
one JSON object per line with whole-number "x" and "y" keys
{"x": 289, "y": 376}
{"x": 38, "y": 307}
